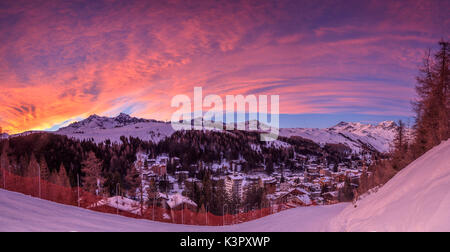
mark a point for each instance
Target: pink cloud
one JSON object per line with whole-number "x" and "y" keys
{"x": 68, "y": 62}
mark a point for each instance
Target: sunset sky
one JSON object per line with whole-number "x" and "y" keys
{"x": 61, "y": 61}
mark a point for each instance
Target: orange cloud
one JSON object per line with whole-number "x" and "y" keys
{"x": 63, "y": 60}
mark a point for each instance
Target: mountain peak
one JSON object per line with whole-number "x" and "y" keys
{"x": 123, "y": 115}
{"x": 4, "y": 135}
{"x": 102, "y": 122}
{"x": 93, "y": 116}
{"x": 388, "y": 124}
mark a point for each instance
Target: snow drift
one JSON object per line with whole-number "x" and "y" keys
{"x": 416, "y": 199}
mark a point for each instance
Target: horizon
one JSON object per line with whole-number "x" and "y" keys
{"x": 285, "y": 121}
{"x": 328, "y": 61}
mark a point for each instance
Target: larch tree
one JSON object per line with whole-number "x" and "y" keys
{"x": 400, "y": 152}
{"x": 4, "y": 160}
{"x": 4, "y": 165}
{"x": 33, "y": 167}
{"x": 134, "y": 183}
{"x": 45, "y": 172}
{"x": 433, "y": 106}
{"x": 92, "y": 169}
{"x": 63, "y": 179}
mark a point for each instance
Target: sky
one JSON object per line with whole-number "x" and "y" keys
{"x": 61, "y": 61}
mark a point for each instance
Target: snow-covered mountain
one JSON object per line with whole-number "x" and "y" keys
{"x": 416, "y": 199}
{"x": 357, "y": 136}
{"x": 102, "y": 122}
{"x": 102, "y": 128}
{"x": 3, "y": 135}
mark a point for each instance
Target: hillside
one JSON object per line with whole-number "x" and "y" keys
{"x": 416, "y": 199}
{"x": 41, "y": 215}
{"x": 106, "y": 128}
{"x": 356, "y": 136}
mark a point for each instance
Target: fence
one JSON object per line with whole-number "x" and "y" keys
{"x": 36, "y": 187}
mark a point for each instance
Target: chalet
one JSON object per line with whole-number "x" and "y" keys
{"x": 151, "y": 161}
{"x": 236, "y": 165}
{"x": 259, "y": 168}
{"x": 121, "y": 204}
{"x": 331, "y": 197}
{"x": 175, "y": 161}
{"x": 178, "y": 202}
{"x": 270, "y": 185}
{"x": 162, "y": 159}
{"x": 296, "y": 196}
{"x": 181, "y": 175}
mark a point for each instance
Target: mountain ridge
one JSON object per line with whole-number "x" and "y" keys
{"x": 356, "y": 135}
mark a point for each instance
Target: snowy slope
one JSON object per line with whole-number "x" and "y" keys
{"x": 103, "y": 128}
{"x": 22, "y": 213}
{"x": 357, "y": 136}
{"x": 354, "y": 135}
{"x": 416, "y": 199}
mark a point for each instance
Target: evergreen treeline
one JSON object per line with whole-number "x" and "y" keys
{"x": 62, "y": 159}
{"x": 432, "y": 120}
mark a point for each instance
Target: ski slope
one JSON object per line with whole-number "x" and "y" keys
{"x": 19, "y": 213}
{"x": 416, "y": 199}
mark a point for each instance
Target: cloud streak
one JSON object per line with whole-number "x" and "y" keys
{"x": 65, "y": 60}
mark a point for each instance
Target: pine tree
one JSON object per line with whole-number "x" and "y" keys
{"x": 92, "y": 169}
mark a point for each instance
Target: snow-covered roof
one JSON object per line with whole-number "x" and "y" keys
{"x": 178, "y": 199}
{"x": 122, "y": 203}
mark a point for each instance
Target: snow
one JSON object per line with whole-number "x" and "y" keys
{"x": 352, "y": 134}
{"x": 277, "y": 144}
{"x": 23, "y": 213}
{"x": 100, "y": 129}
{"x": 178, "y": 199}
{"x": 124, "y": 204}
{"x": 416, "y": 199}
{"x": 147, "y": 131}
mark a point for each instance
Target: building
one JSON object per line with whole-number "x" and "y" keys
{"x": 160, "y": 170}
{"x": 270, "y": 185}
{"x": 233, "y": 185}
{"x": 181, "y": 175}
{"x": 331, "y": 197}
{"x": 295, "y": 197}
